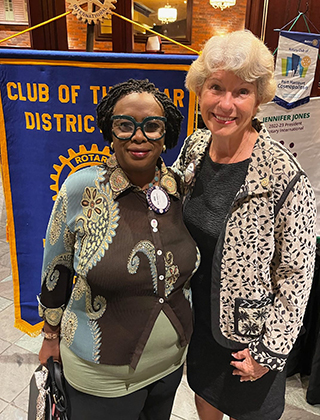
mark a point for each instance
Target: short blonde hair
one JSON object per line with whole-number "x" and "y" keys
{"x": 240, "y": 52}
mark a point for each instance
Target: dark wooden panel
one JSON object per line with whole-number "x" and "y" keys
{"x": 281, "y": 12}
{"x": 52, "y": 36}
{"x": 122, "y": 31}
{"x": 254, "y": 13}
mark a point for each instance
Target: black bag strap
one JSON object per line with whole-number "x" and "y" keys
{"x": 57, "y": 387}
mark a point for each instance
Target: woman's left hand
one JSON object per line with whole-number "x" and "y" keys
{"x": 246, "y": 367}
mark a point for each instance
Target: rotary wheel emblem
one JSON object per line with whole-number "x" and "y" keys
{"x": 91, "y": 10}
{"x": 76, "y": 161}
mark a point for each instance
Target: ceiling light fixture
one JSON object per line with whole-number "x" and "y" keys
{"x": 167, "y": 14}
{"x": 223, "y": 4}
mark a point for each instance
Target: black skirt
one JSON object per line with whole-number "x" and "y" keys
{"x": 210, "y": 377}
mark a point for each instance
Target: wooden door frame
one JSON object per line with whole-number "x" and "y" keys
{"x": 52, "y": 36}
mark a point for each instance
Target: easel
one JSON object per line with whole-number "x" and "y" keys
{"x": 295, "y": 20}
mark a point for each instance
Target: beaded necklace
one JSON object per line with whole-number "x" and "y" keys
{"x": 154, "y": 181}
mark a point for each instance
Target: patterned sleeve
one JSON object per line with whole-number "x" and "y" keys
{"x": 57, "y": 269}
{"x": 292, "y": 272}
{"x": 180, "y": 163}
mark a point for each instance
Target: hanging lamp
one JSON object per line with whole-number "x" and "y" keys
{"x": 223, "y": 4}
{"x": 167, "y": 14}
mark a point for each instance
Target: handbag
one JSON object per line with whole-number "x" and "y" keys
{"x": 47, "y": 396}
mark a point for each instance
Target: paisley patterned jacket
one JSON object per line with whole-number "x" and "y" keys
{"x": 263, "y": 263}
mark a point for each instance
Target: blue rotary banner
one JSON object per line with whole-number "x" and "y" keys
{"x": 295, "y": 67}
{"x": 48, "y": 131}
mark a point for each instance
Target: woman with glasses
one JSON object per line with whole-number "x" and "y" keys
{"x": 122, "y": 330}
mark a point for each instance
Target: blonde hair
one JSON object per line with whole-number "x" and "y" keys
{"x": 243, "y": 54}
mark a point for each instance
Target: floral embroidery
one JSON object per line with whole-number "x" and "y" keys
{"x": 172, "y": 273}
{"x": 51, "y": 315}
{"x": 96, "y": 335}
{"x": 112, "y": 161}
{"x": 118, "y": 180}
{"x": 95, "y": 310}
{"x": 169, "y": 184}
{"x": 92, "y": 203}
{"x": 250, "y": 328}
{"x": 59, "y": 216}
{"x": 68, "y": 239}
{"x": 96, "y": 234}
{"x": 55, "y": 229}
{"x": 101, "y": 171}
{"x": 261, "y": 315}
{"x": 51, "y": 274}
{"x": 52, "y": 282}
{"x": 148, "y": 249}
{"x": 251, "y": 315}
{"x": 69, "y": 326}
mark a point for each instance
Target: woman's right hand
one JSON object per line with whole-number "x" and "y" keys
{"x": 50, "y": 348}
{"x": 246, "y": 367}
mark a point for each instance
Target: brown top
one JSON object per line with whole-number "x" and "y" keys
{"x": 130, "y": 264}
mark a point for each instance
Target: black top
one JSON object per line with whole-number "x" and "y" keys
{"x": 204, "y": 213}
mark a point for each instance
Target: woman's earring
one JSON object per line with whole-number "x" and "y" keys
{"x": 164, "y": 148}
{"x": 111, "y": 145}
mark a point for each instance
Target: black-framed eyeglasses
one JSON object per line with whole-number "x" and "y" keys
{"x": 124, "y": 127}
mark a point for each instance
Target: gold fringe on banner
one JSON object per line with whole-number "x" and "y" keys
{"x": 32, "y": 330}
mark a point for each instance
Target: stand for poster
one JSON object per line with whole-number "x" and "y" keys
{"x": 295, "y": 20}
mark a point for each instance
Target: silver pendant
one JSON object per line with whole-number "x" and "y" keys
{"x": 158, "y": 199}
{"x": 190, "y": 172}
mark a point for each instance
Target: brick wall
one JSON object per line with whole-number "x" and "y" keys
{"x": 206, "y": 22}
{"x": 21, "y": 41}
{"x": 76, "y": 33}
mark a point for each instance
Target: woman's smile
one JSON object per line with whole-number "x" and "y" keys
{"x": 139, "y": 153}
{"x": 224, "y": 120}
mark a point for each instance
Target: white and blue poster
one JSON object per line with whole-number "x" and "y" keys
{"x": 299, "y": 131}
{"x": 295, "y": 67}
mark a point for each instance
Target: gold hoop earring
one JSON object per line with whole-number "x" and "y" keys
{"x": 111, "y": 145}
{"x": 164, "y": 148}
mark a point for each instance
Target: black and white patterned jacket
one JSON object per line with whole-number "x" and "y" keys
{"x": 263, "y": 263}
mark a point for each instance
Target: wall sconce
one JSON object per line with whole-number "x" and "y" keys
{"x": 167, "y": 14}
{"x": 223, "y": 4}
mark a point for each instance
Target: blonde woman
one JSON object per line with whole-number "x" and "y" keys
{"x": 251, "y": 209}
